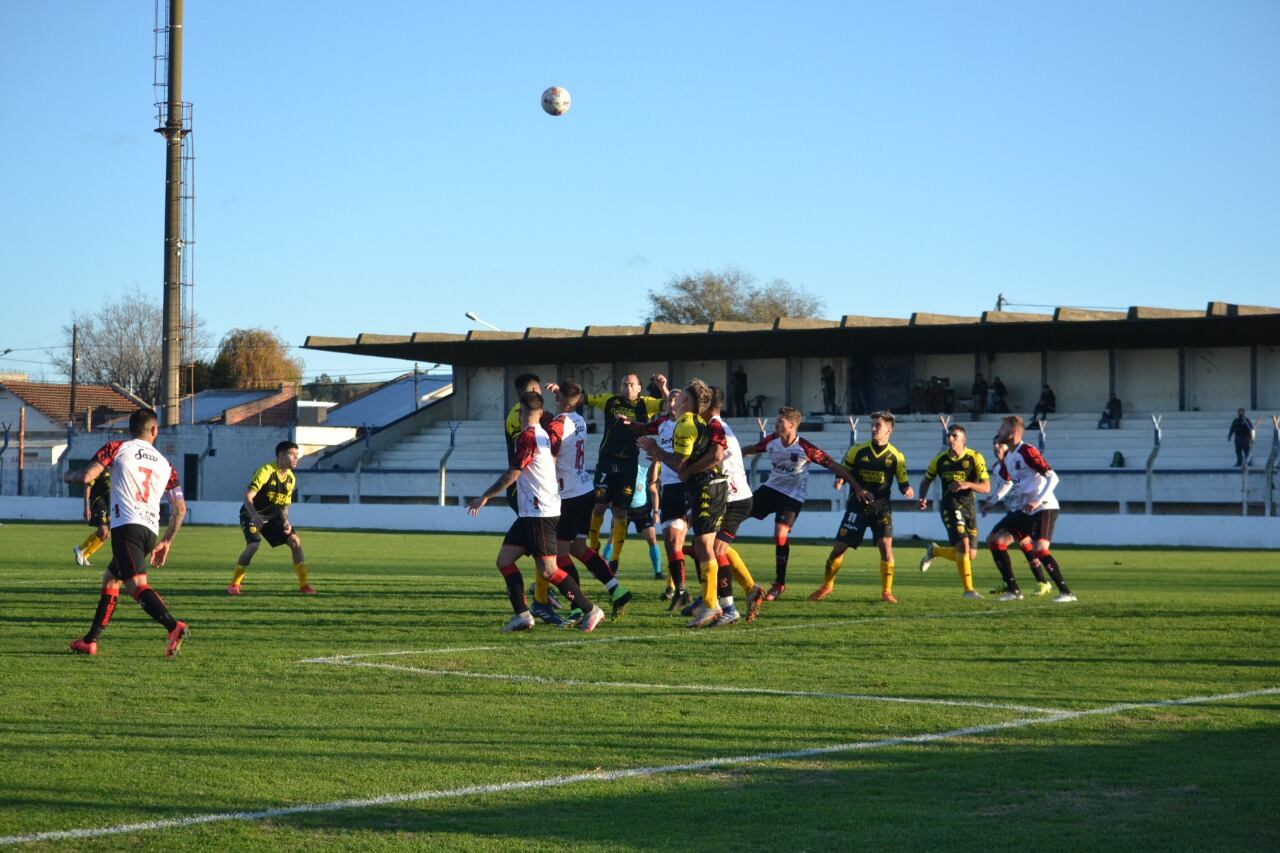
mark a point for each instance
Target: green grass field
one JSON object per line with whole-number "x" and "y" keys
{"x": 239, "y": 723}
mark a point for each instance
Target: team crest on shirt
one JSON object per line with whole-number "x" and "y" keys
{"x": 888, "y": 462}
{"x": 795, "y": 456}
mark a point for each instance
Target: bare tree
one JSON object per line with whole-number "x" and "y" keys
{"x": 730, "y": 294}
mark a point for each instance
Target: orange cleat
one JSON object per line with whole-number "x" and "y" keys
{"x": 307, "y": 590}
{"x": 234, "y": 589}
{"x": 754, "y": 599}
{"x": 176, "y": 636}
{"x": 775, "y": 592}
{"x": 887, "y": 598}
{"x": 820, "y": 593}
{"x": 81, "y": 647}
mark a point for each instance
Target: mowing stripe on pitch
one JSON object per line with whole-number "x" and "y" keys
{"x": 611, "y": 775}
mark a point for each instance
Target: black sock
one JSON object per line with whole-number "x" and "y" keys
{"x": 156, "y": 609}
{"x": 1037, "y": 569}
{"x": 573, "y": 571}
{"x": 1051, "y": 563}
{"x": 515, "y": 589}
{"x": 600, "y": 570}
{"x": 106, "y": 606}
{"x": 781, "y": 554}
{"x": 575, "y": 595}
{"x": 1005, "y": 565}
{"x": 677, "y": 572}
{"x": 724, "y": 581}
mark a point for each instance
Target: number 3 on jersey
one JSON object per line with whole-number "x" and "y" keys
{"x": 145, "y": 494}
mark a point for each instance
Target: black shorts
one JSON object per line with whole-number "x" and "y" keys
{"x": 535, "y": 534}
{"x": 961, "y": 522}
{"x": 1017, "y": 524}
{"x": 1043, "y": 524}
{"x": 641, "y": 517}
{"x": 272, "y": 531}
{"x": 100, "y": 512}
{"x": 575, "y": 517}
{"x": 857, "y": 519}
{"x": 735, "y": 513}
{"x": 709, "y": 500}
{"x": 616, "y": 481}
{"x": 131, "y": 547}
{"x": 674, "y": 503}
{"x": 767, "y": 501}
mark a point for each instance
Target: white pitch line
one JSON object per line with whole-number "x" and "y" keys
{"x": 698, "y": 688}
{"x": 610, "y": 775}
{"x": 833, "y": 623}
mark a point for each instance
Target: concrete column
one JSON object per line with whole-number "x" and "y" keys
{"x": 1253, "y": 376}
{"x": 1182, "y": 379}
{"x": 786, "y": 382}
{"x": 1111, "y": 372}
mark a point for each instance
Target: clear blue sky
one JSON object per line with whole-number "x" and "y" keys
{"x": 385, "y": 166}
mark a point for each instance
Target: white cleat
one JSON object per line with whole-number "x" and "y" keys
{"x": 973, "y": 593}
{"x": 728, "y": 616}
{"x": 81, "y": 559}
{"x": 927, "y": 560}
{"x": 1065, "y": 598}
{"x": 1011, "y": 596}
{"x": 592, "y": 619}
{"x": 519, "y": 622}
{"x": 704, "y": 616}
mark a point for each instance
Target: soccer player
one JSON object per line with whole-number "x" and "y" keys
{"x": 616, "y": 469}
{"x": 545, "y": 604}
{"x": 265, "y": 515}
{"x": 963, "y": 473}
{"x": 673, "y": 504}
{"x": 1013, "y": 502}
{"x": 643, "y": 514}
{"x": 568, "y": 432}
{"x": 783, "y": 494}
{"x": 729, "y": 563}
{"x": 97, "y": 499}
{"x": 533, "y": 471}
{"x": 139, "y": 474}
{"x": 1035, "y": 482}
{"x": 871, "y": 467}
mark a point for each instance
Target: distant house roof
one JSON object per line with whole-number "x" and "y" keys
{"x": 54, "y": 401}
{"x": 390, "y": 401}
{"x": 212, "y": 404}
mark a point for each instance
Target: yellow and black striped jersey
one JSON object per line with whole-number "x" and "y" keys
{"x": 617, "y": 440}
{"x": 274, "y": 489}
{"x": 875, "y": 468}
{"x": 969, "y": 466}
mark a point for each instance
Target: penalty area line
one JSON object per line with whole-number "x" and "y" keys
{"x": 612, "y": 775}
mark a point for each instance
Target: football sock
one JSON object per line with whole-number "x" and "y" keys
{"x": 607, "y": 551}
{"x": 599, "y": 569}
{"x": 1050, "y": 562}
{"x": 946, "y": 552}
{"x": 515, "y": 588}
{"x": 572, "y": 592}
{"x": 155, "y": 607}
{"x": 593, "y": 531}
{"x": 238, "y": 576}
{"x": 300, "y": 569}
{"x": 566, "y": 563}
{"x": 90, "y": 544}
{"x": 617, "y": 538}
{"x": 740, "y": 570}
{"x": 540, "y": 589}
{"x": 781, "y": 553}
{"x": 886, "y": 576}
{"x": 106, "y": 606}
{"x": 1000, "y": 553}
{"x": 709, "y": 574}
{"x": 724, "y": 581}
{"x": 1033, "y": 561}
{"x": 655, "y": 558}
{"x": 965, "y": 570}
{"x": 677, "y": 569}
{"x": 833, "y": 566}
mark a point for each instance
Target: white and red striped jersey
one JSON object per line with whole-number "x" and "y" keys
{"x": 537, "y": 491}
{"x": 1032, "y": 478}
{"x": 139, "y": 475}
{"x": 789, "y": 473}
{"x": 571, "y": 459}
{"x": 733, "y": 466}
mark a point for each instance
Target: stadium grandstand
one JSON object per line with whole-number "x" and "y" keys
{"x": 1190, "y": 369}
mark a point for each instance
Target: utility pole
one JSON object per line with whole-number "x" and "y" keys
{"x": 173, "y": 132}
{"x": 75, "y": 357}
{"x": 22, "y": 446}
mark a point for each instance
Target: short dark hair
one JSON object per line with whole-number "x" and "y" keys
{"x": 717, "y": 397}
{"x": 531, "y": 400}
{"x": 957, "y": 428}
{"x": 570, "y": 391}
{"x": 524, "y": 380}
{"x": 285, "y": 446}
{"x": 884, "y": 415}
{"x": 140, "y": 422}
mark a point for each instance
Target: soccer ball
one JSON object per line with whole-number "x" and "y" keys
{"x": 556, "y": 101}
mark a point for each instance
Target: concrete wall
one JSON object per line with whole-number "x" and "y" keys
{"x": 1020, "y": 373}
{"x": 767, "y": 376}
{"x": 485, "y": 393}
{"x": 1269, "y": 378}
{"x": 1146, "y": 380}
{"x": 545, "y": 372}
{"x": 1218, "y": 378}
{"x": 806, "y": 383}
{"x": 1080, "y": 381}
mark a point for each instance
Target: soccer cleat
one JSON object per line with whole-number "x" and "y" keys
{"x": 519, "y": 622}
{"x": 887, "y": 598}
{"x": 997, "y": 590}
{"x": 545, "y": 613}
{"x": 1015, "y": 595}
{"x": 927, "y": 560}
{"x": 658, "y": 574}
{"x": 81, "y": 559}
{"x": 754, "y": 599}
{"x": 592, "y": 619}
{"x": 621, "y": 596}
{"x": 307, "y": 589}
{"x": 233, "y": 589}
{"x": 552, "y": 601}
{"x": 728, "y": 616}
{"x": 704, "y": 616}
{"x": 1065, "y": 598}
{"x": 681, "y": 599}
{"x": 1044, "y": 589}
{"x": 688, "y": 609}
{"x": 972, "y": 593}
{"x": 667, "y": 594}
{"x": 81, "y": 647}
{"x": 820, "y": 593}
{"x": 573, "y": 618}
{"x": 775, "y": 592}
{"x": 176, "y": 636}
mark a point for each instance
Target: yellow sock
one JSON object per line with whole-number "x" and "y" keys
{"x": 617, "y": 537}
{"x": 90, "y": 544}
{"x": 96, "y": 544}
{"x": 833, "y": 566}
{"x": 709, "y": 597}
{"x": 300, "y": 569}
{"x": 593, "y": 531}
{"x": 966, "y": 573}
{"x": 541, "y": 587}
{"x": 946, "y": 552}
{"x": 671, "y": 582}
{"x": 740, "y": 570}
{"x": 239, "y": 574}
{"x": 886, "y": 576}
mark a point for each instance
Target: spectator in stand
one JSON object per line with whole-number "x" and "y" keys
{"x": 999, "y": 396}
{"x": 828, "y": 390}
{"x": 1046, "y": 405}
{"x": 979, "y": 392}
{"x": 1241, "y": 433}
{"x": 738, "y": 391}
{"x": 1111, "y": 413}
